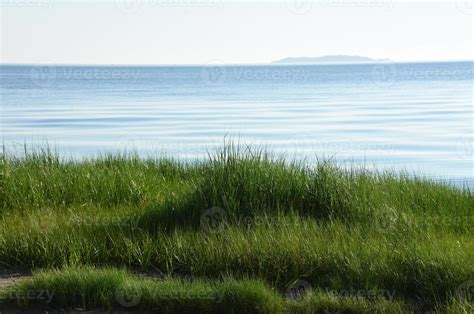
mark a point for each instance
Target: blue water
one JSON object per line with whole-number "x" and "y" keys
{"x": 400, "y": 116}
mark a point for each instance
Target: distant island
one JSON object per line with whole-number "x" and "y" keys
{"x": 328, "y": 59}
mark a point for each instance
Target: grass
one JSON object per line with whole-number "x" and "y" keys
{"x": 89, "y": 288}
{"x": 241, "y": 222}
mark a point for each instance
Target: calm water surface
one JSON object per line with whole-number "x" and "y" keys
{"x": 412, "y": 116}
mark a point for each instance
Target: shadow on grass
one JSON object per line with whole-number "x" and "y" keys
{"x": 237, "y": 185}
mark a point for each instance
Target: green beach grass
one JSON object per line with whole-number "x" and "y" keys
{"x": 241, "y": 231}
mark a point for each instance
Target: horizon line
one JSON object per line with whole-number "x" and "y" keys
{"x": 272, "y": 63}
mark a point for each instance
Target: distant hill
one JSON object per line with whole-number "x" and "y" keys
{"x": 328, "y": 59}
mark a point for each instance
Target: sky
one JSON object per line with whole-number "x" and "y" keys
{"x": 220, "y": 31}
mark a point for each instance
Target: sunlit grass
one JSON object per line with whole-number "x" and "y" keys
{"x": 241, "y": 215}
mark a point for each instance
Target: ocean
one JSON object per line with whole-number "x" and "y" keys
{"x": 414, "y": 117}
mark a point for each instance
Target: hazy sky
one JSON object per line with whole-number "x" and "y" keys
{"x": 207, "y": 31}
